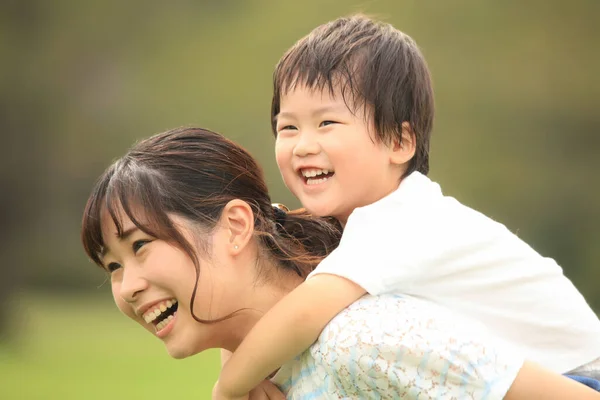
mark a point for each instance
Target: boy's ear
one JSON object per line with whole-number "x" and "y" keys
{"x": 238, "y": 220}
{"x": 404, "y": 150}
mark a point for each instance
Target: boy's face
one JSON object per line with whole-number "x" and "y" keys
{"x": 328, "y": 155}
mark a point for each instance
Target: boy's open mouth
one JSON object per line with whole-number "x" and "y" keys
{"x": 161, "y": 314}
{"x": 313, "y": 176}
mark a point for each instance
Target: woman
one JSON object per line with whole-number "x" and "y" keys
{"x": 196, "y": 252}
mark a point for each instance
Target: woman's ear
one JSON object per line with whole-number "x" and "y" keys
{"x": 238, "y": 220}
{"x": 401, "y": 152}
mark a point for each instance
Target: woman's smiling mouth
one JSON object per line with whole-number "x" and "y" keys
{"x": 161, "y": 314}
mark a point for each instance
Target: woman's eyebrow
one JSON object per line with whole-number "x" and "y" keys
{"x": 127, "y": 232}
{"x": 122, "y": 236}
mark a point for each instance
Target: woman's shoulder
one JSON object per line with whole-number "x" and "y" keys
{"x": 332, "y": 360}
{"x": 388, "y": 312}
{"x": 395, "y": 346}
{"x": 400, "y": 342}
{"x": 398, "y": 321}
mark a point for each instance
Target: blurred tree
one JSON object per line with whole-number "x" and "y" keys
{"x": 23, "y": 162}
{"x": 515, "y": 133}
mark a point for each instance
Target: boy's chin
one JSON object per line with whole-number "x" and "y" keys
{"x": 323, "y": 211}
{"x": 316, "y": 208}
{"x": 318, "y": 212}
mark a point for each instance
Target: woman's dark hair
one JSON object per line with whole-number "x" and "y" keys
{"x": 193, "y": 173}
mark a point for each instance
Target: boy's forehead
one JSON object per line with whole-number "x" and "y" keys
{"x": 321, "y": 98}
{"x": 313, "y": 101}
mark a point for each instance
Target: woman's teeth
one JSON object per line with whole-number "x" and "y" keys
{"x": 157, "y": 310}
{"x": 164, "y": 322}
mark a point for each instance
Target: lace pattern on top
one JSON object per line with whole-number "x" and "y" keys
{"x": 396, "y": 346}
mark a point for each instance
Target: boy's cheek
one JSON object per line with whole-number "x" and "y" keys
{"x": 282, "y": 157}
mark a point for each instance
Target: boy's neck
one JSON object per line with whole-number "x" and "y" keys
{"x": 344, "y": 218}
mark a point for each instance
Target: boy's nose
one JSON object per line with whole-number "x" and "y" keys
{"x": 307, "y": 144}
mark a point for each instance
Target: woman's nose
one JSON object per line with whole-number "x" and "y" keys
{"x": 132, "y": 283}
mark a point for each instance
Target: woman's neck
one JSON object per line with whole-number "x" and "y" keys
{"x": 262, "y": 298}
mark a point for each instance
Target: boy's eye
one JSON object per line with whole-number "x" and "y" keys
{"x": 138, "y": 244}
{"x": 113, "y": 266}
{"x": 326, "y": 123}
{"x": 287, "y": 128}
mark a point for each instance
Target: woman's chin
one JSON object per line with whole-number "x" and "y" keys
{"x": 183, "y": 347}
{"x": 179, "y": 352}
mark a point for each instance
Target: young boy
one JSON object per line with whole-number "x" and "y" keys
{"x": 352, "y": 112}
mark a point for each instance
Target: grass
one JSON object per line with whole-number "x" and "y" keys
{"x": 80, "y": 348}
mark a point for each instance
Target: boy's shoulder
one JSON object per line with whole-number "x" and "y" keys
{"x": 413, "y": 190}
{"x": 417, "y": 206}
{"x": 415, "y": 194}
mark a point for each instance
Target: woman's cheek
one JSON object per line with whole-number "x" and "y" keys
{"x": 127, "y": 309}
{"x": 123, "y": 306}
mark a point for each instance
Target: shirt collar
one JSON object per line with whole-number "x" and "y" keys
{"x": 416, "y": 186}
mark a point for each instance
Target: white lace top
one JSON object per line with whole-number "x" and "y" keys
{"x": 399, "y": 347}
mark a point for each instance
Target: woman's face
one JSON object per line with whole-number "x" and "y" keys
{"x": 152, "y": 283}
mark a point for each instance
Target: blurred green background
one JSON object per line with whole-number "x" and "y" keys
{"x": 516, "y": 137}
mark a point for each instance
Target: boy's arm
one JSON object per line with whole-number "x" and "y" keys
{"x": 534, "y": 382}
{"x": 225, "y": 356}
{"x": 286, "y": 330}
{"x": 266, "y": 390}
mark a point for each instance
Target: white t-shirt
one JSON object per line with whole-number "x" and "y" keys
{"x": 396, "y": 347}
{"x": 419, "y": 242}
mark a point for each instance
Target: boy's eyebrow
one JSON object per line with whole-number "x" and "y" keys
{"x": 123, "y": 236}
{"x": 318, "y": 111}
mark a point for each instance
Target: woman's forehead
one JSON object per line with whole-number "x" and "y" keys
{"x": 114, "y": 222}
{"x": 111, "y": 233}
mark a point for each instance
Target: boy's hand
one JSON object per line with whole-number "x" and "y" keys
{"x": 266, "y": 391}
{"x": 217, "y": 394}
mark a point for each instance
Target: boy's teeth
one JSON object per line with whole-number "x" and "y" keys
{"x": 315, "y": 181}
{"x": 310, "y": 173}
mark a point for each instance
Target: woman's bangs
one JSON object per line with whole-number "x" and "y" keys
{"x": 91, "y": 226}
{"x": 123, "y": 193}
{"x": 133, "y": 194}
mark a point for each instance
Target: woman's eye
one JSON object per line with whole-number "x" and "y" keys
{"x": 112, "y": 267}
{"x": 327, "y": 123}
{"x": 138, "y": 244}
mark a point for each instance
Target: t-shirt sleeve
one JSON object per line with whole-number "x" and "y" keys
{"x": 391, "y": 347}
{"x": 377, "y": 251}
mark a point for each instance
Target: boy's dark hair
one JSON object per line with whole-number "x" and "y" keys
{"x": 375, "y": 66}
